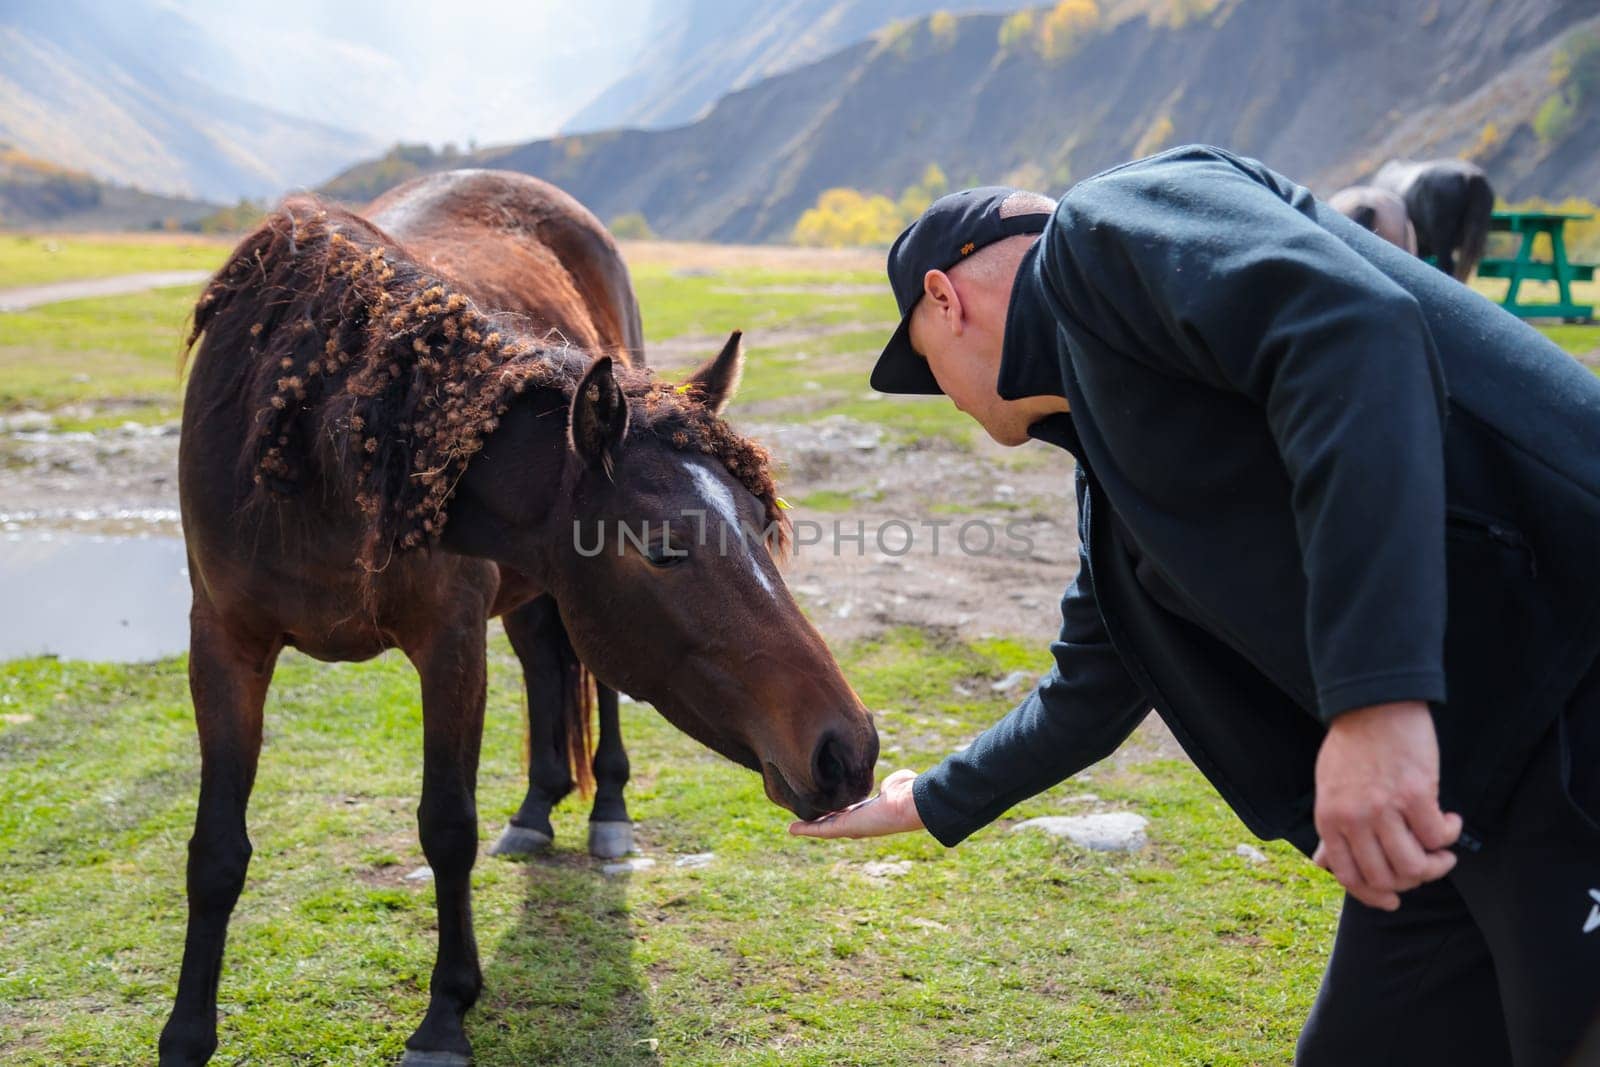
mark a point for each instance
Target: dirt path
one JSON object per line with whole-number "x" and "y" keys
{"x": 31, "y": 296}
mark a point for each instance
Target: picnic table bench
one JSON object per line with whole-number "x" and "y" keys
{"x": 1524, "y": 268}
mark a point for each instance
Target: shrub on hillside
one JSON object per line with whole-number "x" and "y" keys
{"x": 1015, "y": 30}
{"x": 847, "y": 217}
{"x": 1065, "y": 27}
{"x": 1575, "y": 70}
{"x": 631, "y": 226}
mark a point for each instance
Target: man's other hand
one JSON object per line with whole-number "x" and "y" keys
{"x": 892, "y": 811}
{"x": 1377, "y": 812}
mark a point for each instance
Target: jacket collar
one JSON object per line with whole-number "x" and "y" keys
{"x": 1030, "y": 356}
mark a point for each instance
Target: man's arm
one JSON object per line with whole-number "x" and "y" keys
{"x": 1223, "y": 282}
{"x": 1079, "y": 714}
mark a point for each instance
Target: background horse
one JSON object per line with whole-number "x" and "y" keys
{"x": 1449, "y": 202}
{"x": 1378, "y": 210}
{"x": 382, "y": 448}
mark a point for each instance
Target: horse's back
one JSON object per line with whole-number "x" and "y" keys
{"x": 517, "y": 244}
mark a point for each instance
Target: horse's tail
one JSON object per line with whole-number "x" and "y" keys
{"x": 1475, "y": 216}
{"x": 577, "y": 716}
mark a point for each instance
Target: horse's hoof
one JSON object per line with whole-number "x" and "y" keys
{"x": 416, "y": 1058}
{"x": 516, "y": 841}
{"x": 609, "y": 840}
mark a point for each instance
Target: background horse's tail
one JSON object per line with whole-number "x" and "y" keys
{"x": 1476, "y": 209}
{"x": 577, "y": 715}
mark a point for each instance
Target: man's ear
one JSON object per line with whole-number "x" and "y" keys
{"x": 940, "y": 291}
{"x": 714, "y": 383}
{"x": 599, "y": 416}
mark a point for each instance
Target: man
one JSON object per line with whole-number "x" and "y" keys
{"x": 1340, "y": 526}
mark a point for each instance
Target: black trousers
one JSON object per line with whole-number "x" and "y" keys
{"x": 1497, "y": 964}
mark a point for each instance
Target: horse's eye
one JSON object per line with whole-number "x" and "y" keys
{"x": 665, "y": 554}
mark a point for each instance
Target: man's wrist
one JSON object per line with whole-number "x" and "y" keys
{"x": 1358, "y": 718}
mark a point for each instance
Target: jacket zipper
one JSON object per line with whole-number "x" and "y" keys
{"x": 1495, "y": 531}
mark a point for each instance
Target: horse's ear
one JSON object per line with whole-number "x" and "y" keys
{"x": 717, "y": 379}
{"x": 599, "y": 417}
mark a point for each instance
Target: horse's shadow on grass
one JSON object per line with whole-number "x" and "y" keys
{"x": 562, "y": 985}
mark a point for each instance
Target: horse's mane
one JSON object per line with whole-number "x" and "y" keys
{"x": 344, "y": 336}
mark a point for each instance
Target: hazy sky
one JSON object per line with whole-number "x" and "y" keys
{"x": 444, "y": 70}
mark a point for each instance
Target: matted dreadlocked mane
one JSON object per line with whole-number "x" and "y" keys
{"x": 346, "y": 336}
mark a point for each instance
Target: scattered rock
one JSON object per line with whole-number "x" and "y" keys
{"x": 421, "y": 874}
{"x": 1012, "y": 681}
{"x": 929, "y": 924}
{"x": 1250, "y": 853}
{"x": 886, "y": 868}
{"x": 1112, "y": 831}
{"x": 1082, "y": 798}
{"x": 697, "y": 859}
{"x": 638, "y": 863}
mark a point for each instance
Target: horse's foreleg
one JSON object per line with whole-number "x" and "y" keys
{"x": 610, "y": 829}
{"x": 453, "y": 671}
{"x": 228, "y": 680}
{"x": 541, "y": 645}
{"x": 1447, "y": 261}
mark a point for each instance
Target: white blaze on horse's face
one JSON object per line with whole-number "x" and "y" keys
{"x": 720, "y": 503}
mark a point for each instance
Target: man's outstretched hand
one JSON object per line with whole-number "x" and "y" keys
{"x": 892, "y": 811}
{"x": 1377, "y": 811}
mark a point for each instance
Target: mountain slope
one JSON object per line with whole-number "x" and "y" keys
{"x": 1323, "y": 92}
{"x": 34, "y": 193}
{"x": 107, "y": 89}
{"x": 702, "y": 49}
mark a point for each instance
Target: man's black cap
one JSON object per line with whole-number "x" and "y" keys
{"x": 953, "y": 228}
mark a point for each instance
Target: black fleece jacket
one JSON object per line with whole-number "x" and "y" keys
{"x": 1313, "y": 474}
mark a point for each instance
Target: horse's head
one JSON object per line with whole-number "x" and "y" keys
{"x": 657, "y": 558}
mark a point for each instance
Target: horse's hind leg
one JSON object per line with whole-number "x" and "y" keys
{"x": 541, "y": 644}
{"x": 610, "y": 829}
{"x": 228, "y": 679}
{"x": 452, "y": 668}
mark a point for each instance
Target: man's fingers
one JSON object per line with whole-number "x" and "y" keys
{"x": 854, "y": 821}
{"x": 1433, "y": 827}
{"x": 1337, "y": 861}
{"x": 1340, "y": 855}
{"x": 1367, "y": 851}
{"x": 1407, "y": 858}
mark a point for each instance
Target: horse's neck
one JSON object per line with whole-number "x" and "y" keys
{"x": 502, "y": 504}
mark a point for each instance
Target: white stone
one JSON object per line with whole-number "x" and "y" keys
{"x": 1112, "y": 831}
{"x": 421, "y": 874}
{"x": 886, "y": 868}
{"x": 1250, "y": 853}
{"x": 1011, "y": 681}
{"x": 697, "y": 859}
{"x": 638, "y": 863}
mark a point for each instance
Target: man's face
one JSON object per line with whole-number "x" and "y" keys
{"x": 959, "y": 328}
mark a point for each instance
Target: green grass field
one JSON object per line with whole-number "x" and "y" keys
{"x": 28, "y": 259}
{"x": 1010, "y": 949}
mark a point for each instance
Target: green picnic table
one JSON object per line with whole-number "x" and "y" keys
{"x": 1524, "y": 268}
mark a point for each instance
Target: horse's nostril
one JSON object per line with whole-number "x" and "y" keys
{"x": 828, "y": 767}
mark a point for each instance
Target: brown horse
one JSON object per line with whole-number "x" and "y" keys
{"x": 392, "y": 435}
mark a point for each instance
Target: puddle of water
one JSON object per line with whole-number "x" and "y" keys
{"x": 82, "y": 596}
